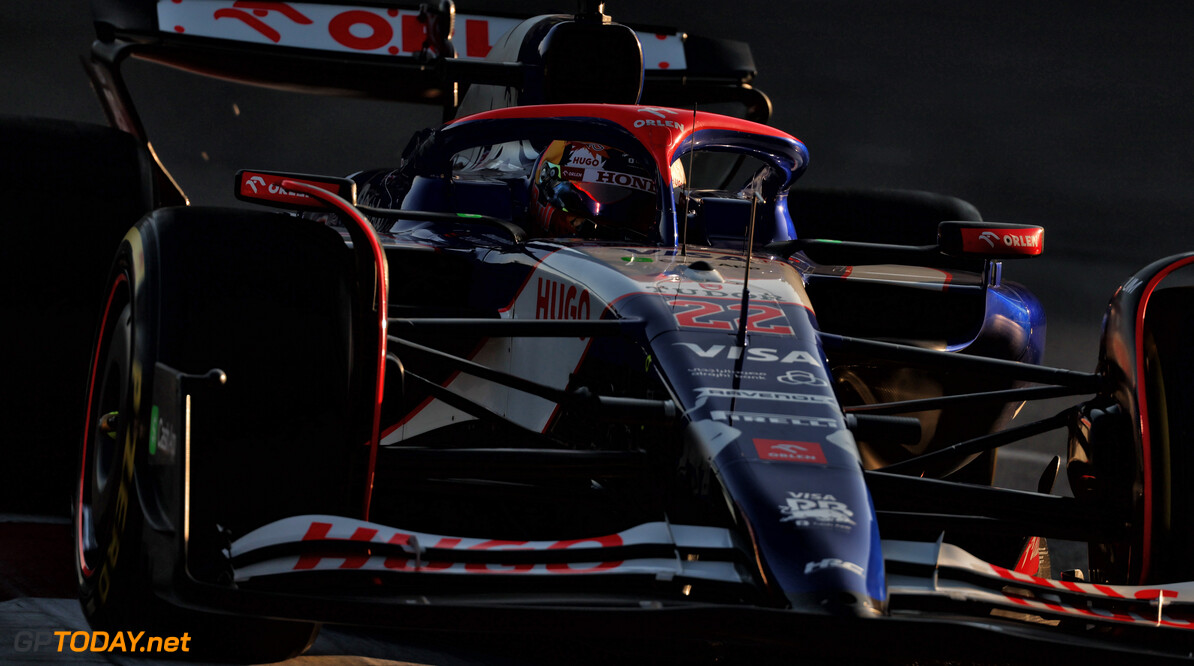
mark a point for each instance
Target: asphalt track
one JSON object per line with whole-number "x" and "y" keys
{"x": 1074, "y": 114}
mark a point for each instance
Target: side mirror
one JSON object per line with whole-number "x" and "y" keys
{"x": 265, "y": 187}
{"x": 990, "y": 240}
{"x": 967, "y": 240}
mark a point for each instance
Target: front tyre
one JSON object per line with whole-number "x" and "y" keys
{"x": 183, "y": 292}
{"x": 106, "y": 531}
{"x": 1130, "y": 455}
{"x": 1169, "y": 371}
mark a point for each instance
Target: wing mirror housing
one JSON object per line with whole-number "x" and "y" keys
{"x": 265, "y": 187}
{"x": 990, "y": 240}
{"x": 967, "y": 240}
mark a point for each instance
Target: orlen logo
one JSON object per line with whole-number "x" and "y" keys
{"x": 557, "y": 300}
{"x": 266, "y": 186}
{"x": 800, "y": 452}
{"x": 259, "y": 187}
{"x": 660, "y": 113}
{"x": 1003, "y": 241}
{"x": 658, "y": 123}
{"x": 325, "y": 27}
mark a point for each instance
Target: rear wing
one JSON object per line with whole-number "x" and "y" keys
{"x": 403, "y": 51}
{"x": 415, "y": 53}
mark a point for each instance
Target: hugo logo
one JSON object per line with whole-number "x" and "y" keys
{"x": 412, "y": 560}
{"x": 556, "y": 300}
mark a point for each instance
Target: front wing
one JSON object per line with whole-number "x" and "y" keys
{"x": 927, "y": 582}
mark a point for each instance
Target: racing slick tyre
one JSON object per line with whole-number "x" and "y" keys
{"x": 1168, "y": 369}
{"x": 73, "y": 189}
{"x": 266, "y": 299}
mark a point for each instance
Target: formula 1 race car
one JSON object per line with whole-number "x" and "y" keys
{"x": 586, "y": 359}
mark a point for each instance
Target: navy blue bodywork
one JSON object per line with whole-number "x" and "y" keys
{"x": 763, "y": 426}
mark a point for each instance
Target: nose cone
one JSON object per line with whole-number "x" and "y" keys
{"x": 841, "y": 603}
{"x": 815, "y": 532}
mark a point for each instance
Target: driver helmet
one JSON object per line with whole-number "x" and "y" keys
{"x": 590, "y": 190}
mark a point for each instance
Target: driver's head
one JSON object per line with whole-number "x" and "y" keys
{"x": 590, "y": 190}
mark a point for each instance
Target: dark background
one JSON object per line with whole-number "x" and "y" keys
{"x": 1073, "y": 114}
